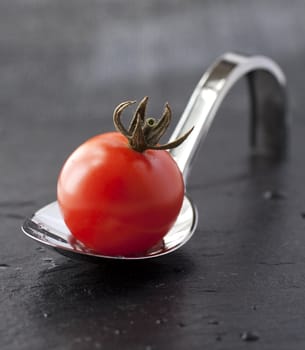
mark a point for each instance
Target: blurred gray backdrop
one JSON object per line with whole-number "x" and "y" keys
{"x": 74, "y": 59}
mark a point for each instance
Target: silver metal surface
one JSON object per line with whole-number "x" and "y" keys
{"x": 269, "y": 122}
{"x": 268, "y": 133}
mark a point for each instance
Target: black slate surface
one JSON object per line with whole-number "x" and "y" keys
{"x": 239, "y": 283}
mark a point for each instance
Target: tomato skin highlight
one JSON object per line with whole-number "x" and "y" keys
{"x": 118, "y": 201}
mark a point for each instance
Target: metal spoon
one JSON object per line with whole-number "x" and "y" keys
{"x": 268, "y": 132}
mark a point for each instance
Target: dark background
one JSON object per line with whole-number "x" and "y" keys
{"x": 64, "y": 65}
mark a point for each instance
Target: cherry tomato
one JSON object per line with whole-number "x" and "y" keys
{"x": 116, "y": 200}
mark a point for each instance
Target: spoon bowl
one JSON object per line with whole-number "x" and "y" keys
{"x": 47, "y": 227}
{"x": 268, "y": 133}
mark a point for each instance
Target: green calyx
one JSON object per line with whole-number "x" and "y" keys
{"x": 145, "y": 133}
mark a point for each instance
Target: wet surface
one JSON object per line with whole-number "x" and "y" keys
{"x": 64, "y": 66}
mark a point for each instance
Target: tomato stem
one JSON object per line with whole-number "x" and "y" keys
{"x": 145, "y": 133}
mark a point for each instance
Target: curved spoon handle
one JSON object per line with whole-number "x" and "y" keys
{"x": 269, "y": 122}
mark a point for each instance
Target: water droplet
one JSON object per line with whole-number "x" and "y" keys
{"x": 178, "y": 269}
{"x": 215, "y": 322}
{"x": 274, "y": 195}
{"x": 148, "y": 347}
{"x": 45, "y": 314}
{"x": 218, "y": 337}
{"x": 249, "y": 336}
{"x": 162, "y": 320}
{"x": 254, "y": 307}
{"x": 40, "y": 249}
{"x": 181, "y": 324}
{"x": 4, "y": 266}
{"x": 117, "y": 332}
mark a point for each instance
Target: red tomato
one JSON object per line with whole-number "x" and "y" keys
{"x": 116, "y": 200}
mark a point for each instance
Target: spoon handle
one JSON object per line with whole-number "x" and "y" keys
{"x": 269, "y": 121}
